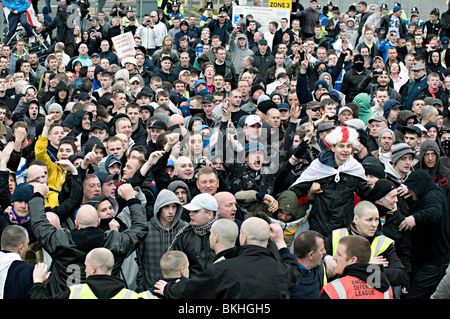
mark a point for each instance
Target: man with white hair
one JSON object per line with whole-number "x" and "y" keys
{"x": 335, "y": 176}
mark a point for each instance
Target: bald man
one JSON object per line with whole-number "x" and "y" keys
{"x": 100, "y": 284}
{"x": 228, "y": 207}
{"x": 68, "y": 248}
{"x": 254, "y": 273}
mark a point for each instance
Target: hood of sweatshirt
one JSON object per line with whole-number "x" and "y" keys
{"x": 166, "y": 197}
{"x": 429, "y": 145}
{"x": 420, "y": 182}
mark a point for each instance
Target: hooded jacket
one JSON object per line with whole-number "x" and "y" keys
{"x": 158, "y": 239}
{"x": 55, "y": 99}
{"x": 238, "y": 53}
{"x": 402, "y": 117}
{"x": 81, "y": 134}
{"x": 363, "y": 102}
{"x": 388, "y": 105}
{"x": 439, "y": 173}
{"x": 431, "y": 214}
{"x": 180, "y": 184}
{"x": 64, "y": 32}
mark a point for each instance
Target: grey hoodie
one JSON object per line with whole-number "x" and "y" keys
{"x": 238, "y": 53}
{"x": 158, "y": 240}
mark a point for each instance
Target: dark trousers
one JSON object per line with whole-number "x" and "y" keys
{"x": 13, "y": 20}
{"x": 425, "y": 280}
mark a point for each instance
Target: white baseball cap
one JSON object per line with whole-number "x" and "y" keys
{"x": 202, "y": 201}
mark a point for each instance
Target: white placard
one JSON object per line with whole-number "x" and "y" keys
{"x": 263, "y": 15}
{"x": 124, "y": 44}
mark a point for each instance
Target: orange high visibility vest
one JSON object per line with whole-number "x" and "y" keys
{"x": 350, "y": 287}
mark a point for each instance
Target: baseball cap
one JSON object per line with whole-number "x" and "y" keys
{"x": 95, "y": 18}
{"x": 444, "y": 42}
{"x": 202, "y": 201}
{"x": 412, "y": 128}
{"x": 253, "y": 119}
{"x": 284, "y": 106}
{"x": 345, "y": 108}
{"x": 253, "y": 146}
{"x": 154, "y": 14}
{"x": 99, "y": 125}
{"x": 158, "y": 125}
{"x": 130, "y": 59}
{"x": 262, "y": 41}
{"x": 133, "y": 79}
{"x": 209, "y": 98}
{"x": 95, "y": 54}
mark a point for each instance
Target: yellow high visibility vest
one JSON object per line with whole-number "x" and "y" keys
{"x": 82, "y": 291}
{"x": 378, "y": 246}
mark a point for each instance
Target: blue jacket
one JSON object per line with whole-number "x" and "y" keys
{"x": 19, "y": 5}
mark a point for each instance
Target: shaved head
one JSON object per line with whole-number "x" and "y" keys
{"x": 87, "y": 216}
{"x": 255, "y": 231}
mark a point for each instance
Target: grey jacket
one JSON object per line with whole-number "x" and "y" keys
{"x": 157, "y": 241}
{"x": 238, "y": 53}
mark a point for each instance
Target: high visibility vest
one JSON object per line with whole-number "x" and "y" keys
{"x": 378, "y": 246}
{"x": 82, "y": 291}
{"x": 350, "y": 287}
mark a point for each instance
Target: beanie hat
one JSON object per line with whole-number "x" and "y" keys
{"x": 342, "y": 134}
{"x": 265, "y": 105}
{"x": 53, "y": 107}
{"x": 257, "y": 87}
{"x": 320, "y": 84}
{"x": 384, "y": 131}
{"x": 399, "y": 150}
{"x": 375, "y": 170}
{"x": 381, "y": 188}
{"x": 23, "y": 192}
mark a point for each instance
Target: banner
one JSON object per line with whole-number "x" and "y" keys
{"x": 31, "y": 15}
{"x": 263, "y": 15}
{"x": 124, "y": 44}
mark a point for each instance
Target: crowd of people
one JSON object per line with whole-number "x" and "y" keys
{"x": 220, "y": 161}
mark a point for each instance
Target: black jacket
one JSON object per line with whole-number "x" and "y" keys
{"x": 384, "y": 26}
{"x": 431, "y": 214}
{"x": 64, "y": 33}
{"x": 68, "y": 249}
{"x": 351, "y": 81}
{"x": 19, "y": 280}
{"x": 333, "y": 208}
{"x": 103, "y": 286}
{"x": 254, "y": 273}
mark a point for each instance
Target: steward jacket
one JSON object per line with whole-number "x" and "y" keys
{"x": 96, "y": 287}
{"x": 353, "y": 285}
{"x": 68, "y": 248}
{"x": 380, "y": 245}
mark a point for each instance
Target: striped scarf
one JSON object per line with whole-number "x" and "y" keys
{"x": 199, "y": 230}
{"x": 16, "y": 219}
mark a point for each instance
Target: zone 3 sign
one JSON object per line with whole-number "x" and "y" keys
{"x": 280, "y": 4}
